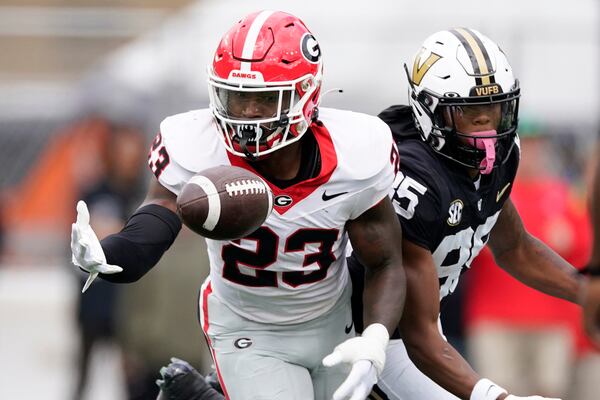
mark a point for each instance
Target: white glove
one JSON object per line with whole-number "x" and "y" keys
{"x": 366, "y": 353}
{"x": 487, "y": 390}
{"x": 86, "y": 250}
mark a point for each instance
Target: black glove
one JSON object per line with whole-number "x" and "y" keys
{"x": 213, "y": 380}
{"x": 180, "y": 381}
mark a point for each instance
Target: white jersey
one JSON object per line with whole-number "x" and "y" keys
{"x": 293, "y": 268}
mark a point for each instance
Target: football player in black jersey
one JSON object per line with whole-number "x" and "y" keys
{"x": 459, "y": 153}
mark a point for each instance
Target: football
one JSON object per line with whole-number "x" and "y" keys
{"x": 224, "y": 203}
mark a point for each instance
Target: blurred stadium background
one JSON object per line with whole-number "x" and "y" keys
{"x": 76, "y": 73}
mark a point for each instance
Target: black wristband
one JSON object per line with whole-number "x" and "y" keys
{"x": 149, "y": 232}
{"x": 590, "y": 270}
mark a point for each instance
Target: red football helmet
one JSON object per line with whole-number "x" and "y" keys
{"x": 265, "y": 83}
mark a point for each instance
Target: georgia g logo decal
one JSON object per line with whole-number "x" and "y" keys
{"x": 310, "y": 48}
{"x": 243, "y": 343}
{"x": 283, "y": 200}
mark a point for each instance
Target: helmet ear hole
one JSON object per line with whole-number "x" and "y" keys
{"x": 306, "y": 84}
{"x": 301, "y": 127}
{"x": 425, "y": 99}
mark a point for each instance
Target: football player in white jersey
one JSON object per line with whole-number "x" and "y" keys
{"x": 277, "y": 302}
{"x": 459, "y": 150}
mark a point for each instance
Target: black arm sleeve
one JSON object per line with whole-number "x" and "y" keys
{"x": 149, "y": 232}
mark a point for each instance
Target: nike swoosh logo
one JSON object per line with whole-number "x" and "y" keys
{"x": 327, "y": 197}
{"x": 347, "y": 329}
{"x": 501, "y": 192}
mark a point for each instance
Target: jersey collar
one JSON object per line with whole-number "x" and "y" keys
{"x": 299, "y": 191}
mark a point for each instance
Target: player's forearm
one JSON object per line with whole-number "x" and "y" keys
{"x": 384, "y": 294}
{"x": 142, "y": 242}
{"x": 437, "y": 359}
{"x": 539, "y": 267}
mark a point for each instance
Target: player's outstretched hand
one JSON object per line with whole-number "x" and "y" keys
{"x": 591, "y": 310}
{"x": 86, "y": 251}
{"x": 366, "y": 353}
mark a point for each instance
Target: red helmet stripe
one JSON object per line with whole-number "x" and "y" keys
{"x": 252, "y": 36}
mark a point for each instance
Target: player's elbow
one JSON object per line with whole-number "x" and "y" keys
{"x": 508, "y": 249}
{"x": 519, "y": 253}
{"x": 419, "y": 342}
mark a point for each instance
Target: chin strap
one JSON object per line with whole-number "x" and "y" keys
{"x": 243, "y": 143}
{"x": 245, "y": 138}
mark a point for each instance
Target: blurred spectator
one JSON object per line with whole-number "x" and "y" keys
{"x": 517, "y": 336}
{"x": 39, "y": 205}
{"x": 110, "y": 197}
{"x": 159, "y": 317}
{"x": 143, "y": 319}
{"x": 587, "y": 369}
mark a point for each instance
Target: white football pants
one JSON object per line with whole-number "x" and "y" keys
{"x": 257, "y": 361}
{"x": 402, "y": 380}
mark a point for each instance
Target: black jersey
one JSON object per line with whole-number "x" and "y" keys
{"x": 439, "y": 206}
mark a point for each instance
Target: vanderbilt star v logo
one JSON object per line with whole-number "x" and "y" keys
{"x": 327, "y": 197}
{"x": 501, "y": 192}
{"x": 420, "y": 67}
